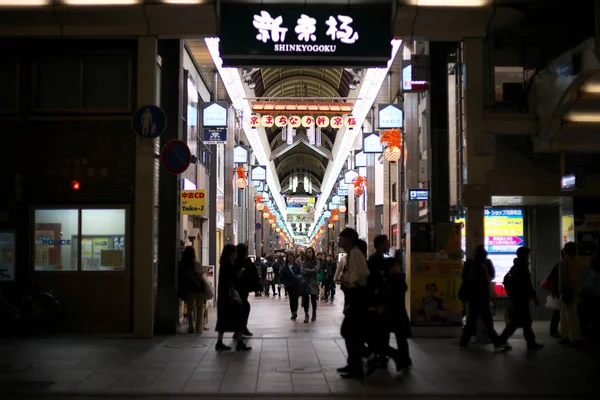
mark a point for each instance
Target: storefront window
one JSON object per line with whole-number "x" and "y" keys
{"x": 59, "y": 242}
{"x": 55, "y": 233}
{"x": 7, "y": 256}
{"x": 102, "y": 240}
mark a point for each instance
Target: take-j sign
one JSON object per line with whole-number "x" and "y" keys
{"x": 193, "y": 202}
{"x": 250, "y": 33}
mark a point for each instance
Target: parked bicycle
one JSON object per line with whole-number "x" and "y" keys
{"x": 37, "y": 311}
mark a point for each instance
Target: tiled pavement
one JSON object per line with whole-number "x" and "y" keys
{"x": 288, "y": 359}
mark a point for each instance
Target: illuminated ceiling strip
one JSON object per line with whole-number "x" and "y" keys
{"x": 235, "y": 88}
{"x": 100, "y": 2}
{"x": 450, "y": 3}
{"x": 577, "y": 116}
{"x": 369, "y": 90}
{"x": 24, "y": 3}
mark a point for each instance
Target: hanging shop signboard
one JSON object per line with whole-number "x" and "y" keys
{"x": 193, "y": 202}
{"x": 418, "y": 194}
{"x": 372, "y": 144}
{"x": 342, "y": 189}
{"x": 258, "y": 173}
{"x": 214, "y": 115}
{"x": 360, "y": 160}
{"x": 306, "y": 121}
{"x": 412, "y": 82}
{"x": 314, "y": 35}
{"x": 390, "y": 116}
{"x": 349, "y": 176}
{"x": 240, "y": 155}
{"x": 215, "y": 136}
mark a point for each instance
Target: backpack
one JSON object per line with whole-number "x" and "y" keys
{"x": 509, "y": 283}
{"x": 270, "y": 274}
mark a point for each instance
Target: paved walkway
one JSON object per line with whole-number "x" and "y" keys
{"x": 288, "y": 359}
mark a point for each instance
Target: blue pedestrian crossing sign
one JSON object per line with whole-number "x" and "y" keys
{"x": 149, "y": 122}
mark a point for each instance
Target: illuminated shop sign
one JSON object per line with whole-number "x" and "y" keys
{"x": 568, "y": 182}
{"x": 415, "y": 74}
{"x": 268, "y": 34}
{"x": 390, "y": 116}
{"x": 418, "y": 194}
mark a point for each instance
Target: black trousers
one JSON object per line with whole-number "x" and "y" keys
{"x": 352, "y": 331}
{"x": 554, "y": 322}
{"x": 519, "y": 317}
{"x": 313, "y": 302}
{"x": 246, "y": 312}
{"x": 329, "y": 290}
{"x": 293, "y": 295}
{"x": 476, "y": 310}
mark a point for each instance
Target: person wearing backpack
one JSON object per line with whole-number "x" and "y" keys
{"x": 475, "y": 292}
{"x": 269, "y": 275}
{"x": 191, "y": 289}
{"x": 519, "y": 288}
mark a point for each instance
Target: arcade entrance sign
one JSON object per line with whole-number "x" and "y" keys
{"x": 297, "y": 35}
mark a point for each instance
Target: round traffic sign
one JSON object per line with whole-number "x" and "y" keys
{"x": 149, "y": 121}
{"x": 258, "y": 226}
{"x": 175, "y": 156}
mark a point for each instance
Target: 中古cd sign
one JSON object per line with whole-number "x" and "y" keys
{"x": 270, "y": 34}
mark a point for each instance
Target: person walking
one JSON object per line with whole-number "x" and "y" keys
{"x": 291, "y": 276}
{"x": 354, "y": 285}
{"x": 310, "y": 284}
{"x": 230, "y": 315}
{"x": 269, "y": 275}
{"x": 568, "y": 275}
{"x": 192, "y": 289}
{"x": 520, "y": 292}
{"x": 328, "y": 278}
{"x": 247, "y": 283}
{"x": 475, "y": 292}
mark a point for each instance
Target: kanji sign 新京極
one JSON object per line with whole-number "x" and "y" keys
{"x": 322, "y": 121}
{"x": 254, "y": 121}
{"x": 290, "y": 35}
{"x": 193, "y": 202}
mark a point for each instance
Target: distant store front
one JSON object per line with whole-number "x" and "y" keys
{"x": 83, "y": 255}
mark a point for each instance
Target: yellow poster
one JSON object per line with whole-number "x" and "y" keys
{"x": 568, "y": 228}
{"x": 193, "y": 202}
{"x": 434, "y": 301}
{"x": 99, "y": 244}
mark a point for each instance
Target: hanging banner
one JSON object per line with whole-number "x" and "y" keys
{"x": 258, "y": 173}
{"x": 336, "y": 122}
{"x": 372, "y": 144}
{"x": 215, "y": 135}
{"x": 323, "y": 121}
{"x": 193, "y": 202}
{"x": 295, "y": 121}
{"x": 240, "y": 155}
{"x": 281, "y": 121}
{"x": 308, "y": 121}
{"x": 350, "y": 122}
{"x": 390, "y": 116}
{"x": 267, "y": 121}
{"x": 254, "y": 121}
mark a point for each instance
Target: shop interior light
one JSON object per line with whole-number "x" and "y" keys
{"x": 184, "y": 1}
{"x": 451, "y": 3}
{"x": 24, "y": 3}
{"x": 589, "y": 117}
{"x": 75, "y": 185}
{"x": 232, "y": 80}
{"x": 369, "y": 90}
{"x": 100, "y": 2}
{"x": 591, "y": 87}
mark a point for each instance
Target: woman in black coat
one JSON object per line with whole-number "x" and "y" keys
{"x": 247, "y": 283}
{"x": 230, "y": 315}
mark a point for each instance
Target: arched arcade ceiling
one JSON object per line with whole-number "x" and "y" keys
{"x": 326, "y": 84}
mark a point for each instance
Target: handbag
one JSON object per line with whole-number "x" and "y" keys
{"x": 234, "y": 297}
{"x": 553, "y": 303}
{"x": 208, "y": 292}
{"x": 320, "y": 276}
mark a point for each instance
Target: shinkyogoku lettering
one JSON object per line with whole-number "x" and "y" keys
{"x": 306, "y": 48}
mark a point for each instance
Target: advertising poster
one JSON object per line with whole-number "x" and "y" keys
{"x": 193, "y": 202}
{"x": 435, "y": 265}
{"x": 568, "y": 228}
{"x": 588, "y": 236}
{"x": 7, "y": 256}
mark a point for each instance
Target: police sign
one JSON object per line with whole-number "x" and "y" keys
{"x": 193, "y": 202}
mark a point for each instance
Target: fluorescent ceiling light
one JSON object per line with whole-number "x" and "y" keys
{"x": 183, "y": 1}
{"x": 450, "y": 3}
{"x": 577, "y": 116}
{"x": 100, "y": 2}
{"x": 235, "y": 88}
{"x": 591, "y": 87}
{"x": 23, "y": 3}
{"x": 369, "y": 90}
